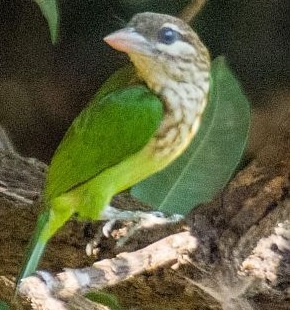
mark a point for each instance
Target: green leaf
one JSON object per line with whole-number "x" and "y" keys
{"x": 3, "y": 306}
{"x": 207, "y": 165}
{"x": 104, "y": 298}
{"x": 50, "y": 11}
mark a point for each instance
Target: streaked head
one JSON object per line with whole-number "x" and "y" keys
{"x": 161, "y": 47}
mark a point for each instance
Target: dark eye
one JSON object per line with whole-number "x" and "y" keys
{"x": 167, "y": 35}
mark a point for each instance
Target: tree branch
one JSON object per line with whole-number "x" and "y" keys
{"x": 191, "y": 10}
{"x": 236, "y": 257}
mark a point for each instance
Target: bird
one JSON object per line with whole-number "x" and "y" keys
{"x": 139, "y": 121}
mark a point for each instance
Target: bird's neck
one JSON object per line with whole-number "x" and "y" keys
{"x": 184, "y": 91}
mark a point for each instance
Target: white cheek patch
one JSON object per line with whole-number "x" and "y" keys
{"x": 178, "y": 48}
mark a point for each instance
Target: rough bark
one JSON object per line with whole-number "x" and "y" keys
{"x": 235, "y": 257}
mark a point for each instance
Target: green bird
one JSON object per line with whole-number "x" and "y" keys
{"x": 140, "y": 120}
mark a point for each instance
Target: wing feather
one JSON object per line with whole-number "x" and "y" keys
{"x": 111, "y": 128}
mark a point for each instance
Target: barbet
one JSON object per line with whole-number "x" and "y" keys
{"x": 128, "y": 131}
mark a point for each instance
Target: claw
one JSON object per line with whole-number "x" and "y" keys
{"x": 139, "y": 218}
{"x": 107, "y": 228}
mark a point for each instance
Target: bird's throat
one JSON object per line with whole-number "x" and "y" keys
{"x": 184, "y": 91}
{"x": 184, "y": 107}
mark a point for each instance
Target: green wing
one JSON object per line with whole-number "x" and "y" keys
{"x": 114, "y": 126}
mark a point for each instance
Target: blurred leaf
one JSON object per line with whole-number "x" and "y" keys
{"x": 3, "y": 306}
{"x": 207, "y": 165}
{"x": 50, "y": 11}
{"x": 104, "y": 298}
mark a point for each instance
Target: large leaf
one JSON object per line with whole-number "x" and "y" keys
{"x": 49, "y": 9}
{"x": 207, "y": 165}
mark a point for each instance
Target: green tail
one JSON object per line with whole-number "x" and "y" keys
{"x": 35, "y": 249}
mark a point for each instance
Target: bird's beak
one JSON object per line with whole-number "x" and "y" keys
{"x": 127, "y": 40}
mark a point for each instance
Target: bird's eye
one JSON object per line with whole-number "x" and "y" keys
{"x": 167, "y": 35}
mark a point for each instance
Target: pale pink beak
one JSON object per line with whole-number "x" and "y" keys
{"x": 128, "y": 41}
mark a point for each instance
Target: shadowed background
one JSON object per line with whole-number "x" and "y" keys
{"x": 43, "y": 87}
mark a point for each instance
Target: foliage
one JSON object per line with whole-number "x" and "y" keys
{"x": 49, "y": 9}
{"x": 207, "y": 165}
{"x": 3, "y": 306}
{"x": 105, "y": 299}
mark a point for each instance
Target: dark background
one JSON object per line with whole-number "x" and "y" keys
{"x": 43, "y": 87}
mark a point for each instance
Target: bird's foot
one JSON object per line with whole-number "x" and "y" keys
{"x": 147, "y": 220}
{"x": 134, "y": 221}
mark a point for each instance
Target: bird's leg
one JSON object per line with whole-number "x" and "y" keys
{"x": 147, "y": 220}
{"x": 140, "y": 220}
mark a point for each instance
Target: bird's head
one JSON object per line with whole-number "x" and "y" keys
{"x": 163, "y": 48}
